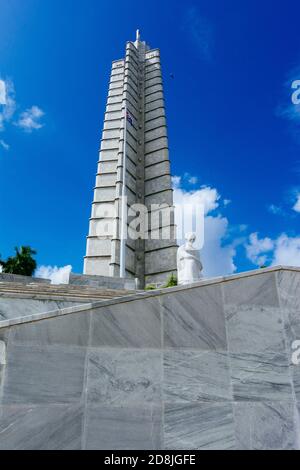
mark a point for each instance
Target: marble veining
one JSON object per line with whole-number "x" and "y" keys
{"x": 134, "y": 427}
{"x": 194, "y": 376}
{"x": 295, "y": 373}
{"x": 289, "y": 289}
{"x": 255, "y": 329}
{"x": 130, "y": 324}
{"x": 14, "y": 308}
{"x": 260, "y": 377}
{"x": 53, "y": 427}
{"x": 254, "y": 290}
{"x": 195, "y": 320}
{"x": 265, "y": 426}
{"x": 208, "y": 426}
{"x": 71, "y": 330}
{"x": 43, "y": 375}
{"x": 124, "y": 377}
{"x": 207, "y": 367}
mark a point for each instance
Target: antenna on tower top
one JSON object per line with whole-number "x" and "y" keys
{"x": 138, "y": 36}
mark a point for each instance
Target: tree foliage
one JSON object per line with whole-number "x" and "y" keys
{"x": 22, "y": 263}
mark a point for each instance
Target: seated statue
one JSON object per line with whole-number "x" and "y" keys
{"x": 189, "y": 265}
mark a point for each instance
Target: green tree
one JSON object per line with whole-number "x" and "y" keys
{"x": 22, "y": 263}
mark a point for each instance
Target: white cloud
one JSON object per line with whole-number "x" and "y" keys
{"x": 283, "y": 250}
{"x": 176, "y": 181}
{"x": 4, "y": 145}
{"x": 190, "y": 179}
{"x": 287, "y": 251}
{"x": 55, "y": 274}
{"x": 217, "y": 256}
{"x": 258, "y": 250}
{"x": 200, "y": 31}
{"x": 206, "y": 196}
{"x": 8, "y": 107}
{"x": 276, "y": 210}
{"x": 2, "y": 92}
{"x": 29, "y": 120}
{"x": 193, "y": 180}
{"x": 296, "y": 207}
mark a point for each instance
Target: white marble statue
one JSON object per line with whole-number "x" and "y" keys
{"x": 189, "y": 265}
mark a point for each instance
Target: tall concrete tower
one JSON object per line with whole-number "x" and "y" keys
{"x": 134, "y": 162}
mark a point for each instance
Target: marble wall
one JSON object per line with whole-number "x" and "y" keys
{"x": 207, "y": 367}
{"x": 18, "y": 307}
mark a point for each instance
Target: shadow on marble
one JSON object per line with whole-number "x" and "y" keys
{"x": 135, "y": 324}
{"x": 36, "y": 374}
{"x": 195, "y": 319}
{"x": 55, "y": 427}
{"x": 252, "y": 291}
{"x": 260, "y": 377}
{"x": 130, "y": 428}
{"x": 205, "y": 426}
{"x": 254, "y": 329}
{"x": 124, "y": 377}
{"x": 71, "y": 330}
{"x": 265, "y": 426}
{"x": 196, "y": 376}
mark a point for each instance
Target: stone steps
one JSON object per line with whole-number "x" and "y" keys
{"x": 66, "y": 292}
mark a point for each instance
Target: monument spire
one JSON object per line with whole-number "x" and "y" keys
{"x": 134, "y": 161}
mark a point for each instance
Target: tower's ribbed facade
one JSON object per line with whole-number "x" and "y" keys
{"x": 136, "y": 87}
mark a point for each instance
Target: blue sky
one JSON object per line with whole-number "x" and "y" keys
{"x": 234, "y": 132}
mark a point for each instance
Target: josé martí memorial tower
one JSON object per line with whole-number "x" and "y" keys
{"x": 133, "y": 172}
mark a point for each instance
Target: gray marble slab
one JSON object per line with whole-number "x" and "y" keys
{"x": 206, "y": 426}
{"x": 134, "y": 324}
{"x": 43, "y": 375}
{"x": 253, "y": 290}
{"x": 15, "y": 308}
{"x": 4, "y": 334}
{"x": 53, "y": 427}
{"x": 265, "y": 426}
{"x": 295, "y": 373}
{"x": 289, "y": 289}
{"x": 124, "y": 377}
{"x": 195, "y": 319}
{"x": 130, "y": 428}
{"x": 292, "y": 326}
{"x": 196, "y": 376}
{"x": 2, "y": 369}
{"x": 260, "y": 377}
{"x": 255, "y": 329}
{"x": 72, "y": 330}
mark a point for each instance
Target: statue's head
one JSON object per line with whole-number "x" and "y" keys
{"x": 190, "y": 237}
